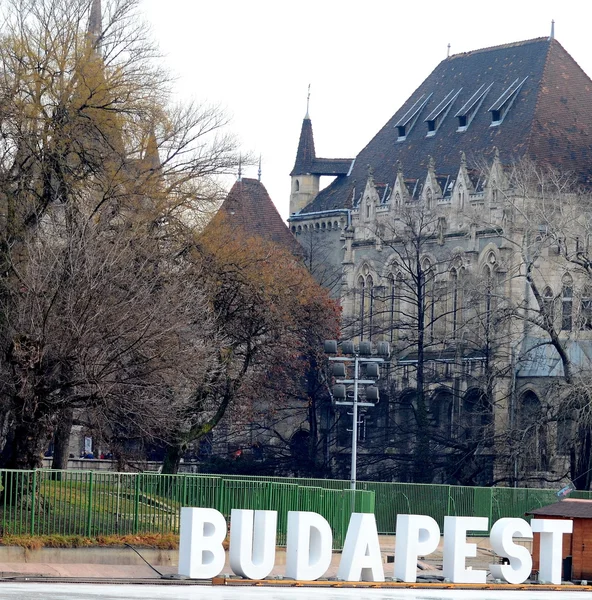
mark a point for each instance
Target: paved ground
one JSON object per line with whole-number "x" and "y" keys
{"x": 42, "y": 591}
{"x": 429, "y": 566}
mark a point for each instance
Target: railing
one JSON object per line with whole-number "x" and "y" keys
{"x": 92, "y": 504}
{"x": 438, "y": 500}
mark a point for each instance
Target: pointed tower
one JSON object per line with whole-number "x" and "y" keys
{"x": 305, "y": 183}
{"x": 151, "y": 156}
{"x": 95, "y": 24}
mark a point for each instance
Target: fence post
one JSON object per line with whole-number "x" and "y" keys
{"x": 137, "y": 503}
{"x": 90, "y": 505}
{"x": 33, "y": 503}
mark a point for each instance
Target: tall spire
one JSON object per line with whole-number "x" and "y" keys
{"x": 95, "y": 23}
{"x": 307, "y": 103}
{"x": 259, "y": 171}
{"x": 151, "y": 156}
{"x": 552, "y": 36}
{"x": 240, "y": 168}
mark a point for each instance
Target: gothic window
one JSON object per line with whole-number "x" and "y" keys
{"x": 461, "y": 196}
{"x": 429, "y": 199}
{"x": 297, "y": 186}
{"x": 548, "y": 304}
{"x": 429, "y": 298}
{"x": 533, "y": 434}
{"x": 405, "y": 423}
{"x": 397, "y": 200}
{"x": 477, "y": 417}
{"x": 392, "y": 295}
{"x": 365, "y": 291}
{"x": 370, "y": 309}
{"x": 488, "y": 298}
{"x": 442, "y": 412}
{"x": 454, "y": 302}
{"x": 586, "y": 309}
{"x": 565, "y": 429}
{"x": 368, "y": 210}
{"x": 362, "y": 304}
{"x": 567, "y": 303}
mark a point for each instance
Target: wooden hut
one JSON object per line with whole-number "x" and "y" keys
{"x": 577, "y": 545}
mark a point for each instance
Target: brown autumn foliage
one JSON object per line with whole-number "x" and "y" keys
{"x": 270, "y": 319}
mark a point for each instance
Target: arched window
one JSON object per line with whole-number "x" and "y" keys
{"x": 371, "y": 307}
{"x": 494, "y": 192}
{"x": 442, "y": 412}
{"x": 567, "y": 302}
{"x": 429, "y": 277}
{"x": 565, "y": 432}
{"x": 397, "y": 200}
{"x": 488, "y": 297}
{"x": 405, "y": 423}
{"x": 461, "y": 196}
{"x": 296, "y": 185}
{"x": 362, "y": 305}
{"x": 429, "y": 199}
{"x": 586, "y": 309}
{"x": 454, "y": 302}
{"x": 532, "y": 433}
{"x": 548, "y": 306}
{"x": 392, "y": 295}
{"x": 477, "y": 418}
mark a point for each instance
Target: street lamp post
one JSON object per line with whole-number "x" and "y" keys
{"x": 362, "y": 355}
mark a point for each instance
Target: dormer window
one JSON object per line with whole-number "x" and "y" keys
{"x": 435, "y": 118}
{"x": 499, "y": 109}
{"x": 467, "y": 113}
{"x": 407, "y": 121}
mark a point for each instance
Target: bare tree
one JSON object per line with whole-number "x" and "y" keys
{"x": 102, "y": 180}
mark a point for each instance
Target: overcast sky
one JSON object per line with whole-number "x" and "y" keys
{"x": 363, "y": 60}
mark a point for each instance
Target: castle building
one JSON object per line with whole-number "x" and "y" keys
{"x": 443, "y": 236}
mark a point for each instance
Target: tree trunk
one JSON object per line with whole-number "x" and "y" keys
{"x": 61, "y": 444}
{"x": 172, "y": 459}
{"x": 31, "y": 439}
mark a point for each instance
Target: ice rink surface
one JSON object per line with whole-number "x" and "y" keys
{"x": 73, "y": 591}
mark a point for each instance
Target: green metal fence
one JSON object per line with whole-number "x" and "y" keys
{"x": 102, "y": 503}
{"x": 89, "y": 503}
{"x": 437, "y": 500}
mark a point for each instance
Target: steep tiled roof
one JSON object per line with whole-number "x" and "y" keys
{"x": 570, "y": 508}
{"x": 307, "y": 161}
{"x": 249, "y": 207}
{"x": 549, "y": 118}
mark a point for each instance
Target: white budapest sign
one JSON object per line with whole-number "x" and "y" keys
{"x": 310, "y": 541}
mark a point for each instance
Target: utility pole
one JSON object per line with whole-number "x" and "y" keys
{"x": 356, "y": 357}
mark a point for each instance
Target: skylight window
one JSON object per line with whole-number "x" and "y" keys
{"x": 407, "y": 121}
{"x": 467, "y": 113}
{"x": 435, "y": 118}
{"x": 499, "y": 109}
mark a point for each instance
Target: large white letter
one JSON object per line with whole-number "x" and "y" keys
{"x": 201, "y": 554}
{"x": 309, "y": 546}
{"x": 456, "y": 549}
{"x": 551, "y": 551}
{"x": 252, "y": 542}
{"x": 417, "y": 535}
{"x": 361, "y": 559}
{"x": 500, "y": 538}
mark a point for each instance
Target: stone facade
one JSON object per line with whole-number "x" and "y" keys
{"x": 455, "y": 262}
